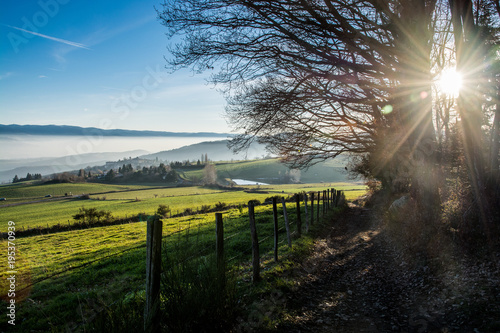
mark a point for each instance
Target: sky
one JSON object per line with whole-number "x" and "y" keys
{"x": 98, "y": 64}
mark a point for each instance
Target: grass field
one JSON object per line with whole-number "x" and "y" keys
{"x": 142, "y": 199}
{"x": 21, "y": 192}
{"x": 271, "y": 170}
{"x": 76, "y": 274}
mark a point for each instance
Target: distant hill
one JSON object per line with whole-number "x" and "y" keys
{"x": 92, "y": 131}
{"x": 215, "y": 150}
{"x": 46, "y": 166}
{"x": 262, "y": 170}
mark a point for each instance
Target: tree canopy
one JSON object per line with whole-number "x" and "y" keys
{"x": 314, "y": 79}
{"x": 309, "y": 78}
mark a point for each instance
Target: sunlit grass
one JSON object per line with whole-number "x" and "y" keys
{"x": 78, "y": 272}
{"x": 156, "y": 193}
{"x": 116, "y": 261}
{"x": 124, "y": 204}
{"x": 21, "y": 192}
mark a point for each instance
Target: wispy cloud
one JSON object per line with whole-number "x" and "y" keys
{"x": 59, "y": 40}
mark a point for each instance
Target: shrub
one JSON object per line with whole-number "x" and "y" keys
{"x": 92, "y": 215}
{"x": 163, "y": 210}
{"x": 205, "y": 208}
{"x": 240, "y": 208}
{"x": 373, "y": 185}
{"x": 270, "y": 199}
{"x": 220, "y": 206}
{"x": 255, "y": 202}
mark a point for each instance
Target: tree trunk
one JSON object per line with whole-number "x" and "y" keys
{"x": 495, "y": 140}
{"x": 469, "y": 55}
{"x": 413, "y": 101}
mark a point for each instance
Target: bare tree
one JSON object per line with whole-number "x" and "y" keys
{"x": 476, "y": 39}
{"x": 209, "y": 174}
{"x": 314, "y": 79}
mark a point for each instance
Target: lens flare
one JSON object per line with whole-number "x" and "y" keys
{"x": 450, "y": 82}
{"x": 387, "y": 109}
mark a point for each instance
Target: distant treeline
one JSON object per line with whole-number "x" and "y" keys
{"x": 153, "y": 173}
{"x": 29, "y": 176}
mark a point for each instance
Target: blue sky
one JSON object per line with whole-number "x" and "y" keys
{"x": 97, "y": 64}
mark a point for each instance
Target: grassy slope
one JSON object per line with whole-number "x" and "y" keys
{"x": 74, "y": 295}
{"x": 124, "y": 204}
{"x": 270, "y": 170}
{"x": 69, "y": 295}
{"x": 26, "y": 191}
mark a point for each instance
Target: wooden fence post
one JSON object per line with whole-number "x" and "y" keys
{"x": 219, "y": 247}
{"x": 317, "y": 207}
{"x": 255, "y": 243}
{"x": 299, "y": 221}
{"x": 324, "y": 202}
{"x": 339, "y": 193}
{"x": 153, "y": 269}
{"x": 333, "y": 197}
{"x": 275, "y": 218}
{"x": 305, "y": 210}
{"x": 312, "y": 208}
{"x": 287, "y": 223}
{"x": 327, "y": 199}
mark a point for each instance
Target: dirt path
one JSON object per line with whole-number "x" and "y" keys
{"x": 356, "y": 281}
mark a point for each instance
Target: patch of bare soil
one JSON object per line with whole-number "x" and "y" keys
{"x": 357, "y": 281}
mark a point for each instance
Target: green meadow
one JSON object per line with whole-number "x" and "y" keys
{"x": 65, "y": 279}
{"x": 272, "y": 170}
{"x": 22, "y": 192}
{"x": 141, "y": 199}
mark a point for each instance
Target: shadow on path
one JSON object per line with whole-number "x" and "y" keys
{"x": 357, "y": 282}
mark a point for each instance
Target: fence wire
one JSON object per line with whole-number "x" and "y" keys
{"x": 178, "y": 232}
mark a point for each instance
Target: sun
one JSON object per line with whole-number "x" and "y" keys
{"x": 449, "y": 82}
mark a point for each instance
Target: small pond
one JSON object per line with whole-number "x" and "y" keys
{"x": 247, "y": 182}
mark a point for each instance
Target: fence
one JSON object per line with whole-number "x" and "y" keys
{"x": 312, "y": 215}
{"x": 330, "y": 198}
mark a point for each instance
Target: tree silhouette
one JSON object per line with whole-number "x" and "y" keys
{"x": 315, "y": 79}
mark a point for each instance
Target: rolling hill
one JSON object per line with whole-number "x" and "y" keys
{"x": 46, "y": 166}
{"x": 215, "y": 150}
{"x": 92, "y": 131}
